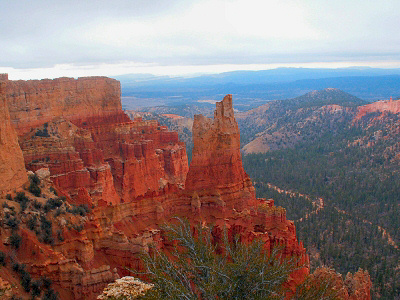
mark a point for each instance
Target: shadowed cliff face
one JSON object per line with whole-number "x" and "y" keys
{"x": 12, "y": 169}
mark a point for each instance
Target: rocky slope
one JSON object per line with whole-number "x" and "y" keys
{"x": 348, "y": 156}
{"x": 128, "y": 178}
{"x": 381, "y": 107}
{"x": 283, "y": 124}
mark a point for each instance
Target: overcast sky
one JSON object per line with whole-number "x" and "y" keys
{"x": 76, "y": 38}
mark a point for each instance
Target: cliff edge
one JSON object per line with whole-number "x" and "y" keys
{"x": 12, "y": 169}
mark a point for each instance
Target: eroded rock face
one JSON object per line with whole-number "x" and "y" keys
{"x": 95, "y": 153}
{"x": 35, "y": 102}
{"x": 353, "y": 287}
{"x": 384, "y": 106}
{"x": 12, "y": 169}
{"x": 216, "y": 168}
{"x": 133, "y": 174}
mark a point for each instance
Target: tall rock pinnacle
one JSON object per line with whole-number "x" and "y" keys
{"x": 216, "y": 164}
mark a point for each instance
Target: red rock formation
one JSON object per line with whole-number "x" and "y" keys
{"x": 99, "y": 157}
{"x": 34, "y": 102}
{"x": 216, "y": 170}
{"x": 104, "y": 152}
{"x": 354, "y": 287}
{"x": 143, "y": 156}
{"x": 83, "y": 175}
{"x": 384, "y": 106}
{"x": 12, "y": 170}
{"x": 70, "y": 279}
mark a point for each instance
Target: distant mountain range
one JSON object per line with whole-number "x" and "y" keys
{"x": 253, "y": 88}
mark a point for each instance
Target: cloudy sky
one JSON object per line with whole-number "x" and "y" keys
{"x": 55, "y": 38}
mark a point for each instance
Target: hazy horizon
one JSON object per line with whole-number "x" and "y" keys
{"x": 48, "y": 39}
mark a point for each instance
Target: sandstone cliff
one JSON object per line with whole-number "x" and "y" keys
{"x": 134, "y": 175}
{"x": 216, "y": 168}
{"x": 381, "y": 107}
{"x": 12, "y": 170}
{"x": 34, "y": 102}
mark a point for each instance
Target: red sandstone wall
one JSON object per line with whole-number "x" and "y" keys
{"x": 392, "y": 106}
{"x": 34, "y": 102}
{"x": 139, "y": 153}
{"x": 12, "y": 169}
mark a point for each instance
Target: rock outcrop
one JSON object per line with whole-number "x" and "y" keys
{"x": 216, "y": 171}
{"x": 135, "y": 176}
{"x": 35, "y": 102}
{"x": 76, "y": 166}
{"x": 12, "y": 169}
{"x": 95, "y": 153}
{"x": 353, "y": 287}
{"x": 381, "y": 107}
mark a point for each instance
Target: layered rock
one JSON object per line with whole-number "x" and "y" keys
{"x": 143, "y": 155}
{"x": 216, "y": 170}
{"x": 381, "y": 107}
{"x": 133, "y": 174}
{"x": 12, "y": 169}
{"x": 35, "y": 102}
{"x": 95, "y": 153}
{"x": 67, "y": 274}
{"x": 76, "y": 166}
{"x": 353, "y": 287}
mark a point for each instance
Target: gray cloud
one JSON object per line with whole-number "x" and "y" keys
{"x": 36, "y": 34}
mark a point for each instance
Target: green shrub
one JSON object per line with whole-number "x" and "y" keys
{"x": 12, "y": 222}
{"x": 16, "y": 267}
{"x": 78, "y": 228}
{"x": 21, "y": 197}
{"x": 35, "y": 189}
{"x": 35, "y": 287}
{"x": 50, "y": 295}
{"x": 34, "y": 185}
{"x": 24, "y": 276}
{"x": 52, "y": 204}
{"x": 46, "y": 282}
{"x": 15, "y": 240}
{"x": 47, "y": 231}
{"x": 34, "y": 179}
{"x": 37, "y": 205}
{"x": 3, "y": 257}
{"x": 8, "y": 197}
{"x": 26, "y": 281}
{"x": 60, "y": 236}
{"x": 32, "y": 222}
{"x": 204, "y": 269}
{"x": 24, "y": 204}
{"x": 42, "y": 133}
{"x": 82, "y": 210}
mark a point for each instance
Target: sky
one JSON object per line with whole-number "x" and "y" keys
{"x": 48, "y": 39}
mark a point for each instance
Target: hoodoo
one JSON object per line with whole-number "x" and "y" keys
{"x": 128, "y": 177}
{"x": 216, "y": 166}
